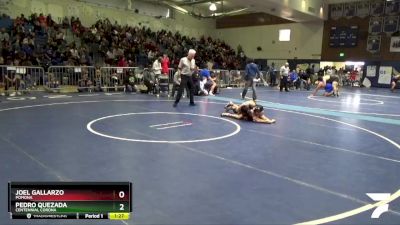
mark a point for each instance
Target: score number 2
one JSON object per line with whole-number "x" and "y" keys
{"x": 120, "y": 205}
{"x": 121, "y": 194}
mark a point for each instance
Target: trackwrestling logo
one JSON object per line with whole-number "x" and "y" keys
{"x": 382, "y": 208}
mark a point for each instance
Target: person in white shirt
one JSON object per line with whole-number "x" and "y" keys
{"x": 4, "y": 36}
{"x": 186, "y": 67}
{"x": 210, "y": 65}
{"x": 150, "y": 55}
{"x": 157, "y": 67}
{"x": 284, "y": 77}
{"x": 328, "y": 71}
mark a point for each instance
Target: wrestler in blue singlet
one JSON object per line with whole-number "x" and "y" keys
{"x": 328, "y": 87}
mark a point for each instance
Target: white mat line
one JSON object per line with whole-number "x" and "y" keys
{"x": 164, "y": 124}
{"x": 182, "y": 125}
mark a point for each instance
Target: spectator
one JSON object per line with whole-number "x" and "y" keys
{"x": 84, "y": 58}
{"x": 214, "y": 78}
{"x": 42, "y": 20}
{"x": 50, "y": 22}
{"x": 11, "y": 80}
{"x": 97, "y": 80}
{"x": 176, "y": 84}
{"x": 85, "y": 85}
{"x": 16, "y": 45}
{"x": 65, "y": 23}
{"x": 157, "y": 67}
{"x": 242, "y": 58}
{"x": 76, "y": 26}
{"x": 19, "y": 21}
{"x": 310, "y": 71}
{"x": 272, "y": 74}
{"x": 328, "y": 71}
{"x": 122, "y": 62}
{"x": 26, "y": 47}
{"x": 207, "y": 85}
{"x": 210, "y": 64}
{"x": 165, "y": 64}
{"x": 149, "y": 82}
{"x": 59, "y": 36}
{"x": 294, "y": 79}
{"x": 204, "y": 76}
{"x": 52, "y": 82}
{"x": 110, "y": 57}
{"x": 305, "y": 79}
{"x": 150, "y": 55}
{"x": 57, "y": 59}
{"x": 394, "y": 81}
{"x": 4, "y": 36}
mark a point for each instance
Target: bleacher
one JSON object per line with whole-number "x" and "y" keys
{"x": 53, "y": 78}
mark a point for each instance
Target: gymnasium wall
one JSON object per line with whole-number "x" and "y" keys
{"x": 358, "y": 53}
{"x": 306, "y": 40}
{"x": 90, "y": 13}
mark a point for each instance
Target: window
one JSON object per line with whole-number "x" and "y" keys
{"x": 284, "y": 35}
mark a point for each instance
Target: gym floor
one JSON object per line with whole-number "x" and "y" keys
{"x": 190, "y": 166}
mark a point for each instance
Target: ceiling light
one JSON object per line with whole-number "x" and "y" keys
{"x": 213, "y": 7}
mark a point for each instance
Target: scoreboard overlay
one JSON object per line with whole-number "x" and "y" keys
{"x": 70, "y": 200}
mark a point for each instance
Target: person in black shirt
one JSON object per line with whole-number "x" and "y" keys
{"x": 272, "y": 74}
{"x": 251, "y": 72}
{"x": 305, "y": 79}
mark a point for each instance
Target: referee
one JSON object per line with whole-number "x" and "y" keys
{"x": 185, "y": 68}
{"x": 284, "y": 77}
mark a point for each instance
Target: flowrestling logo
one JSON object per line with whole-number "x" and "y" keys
{"x": 382, "y": 208}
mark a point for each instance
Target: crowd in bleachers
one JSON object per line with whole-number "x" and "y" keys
{"x": 141, "y": 45}
{"x": 38, "y": 40}
{"x": 33, "y": 41}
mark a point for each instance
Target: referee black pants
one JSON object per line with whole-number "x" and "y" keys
{"x": 283, "y": 84}
{"x": 186, "y": 83}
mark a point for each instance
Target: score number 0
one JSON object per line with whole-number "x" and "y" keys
{"x": 121, "y": 194}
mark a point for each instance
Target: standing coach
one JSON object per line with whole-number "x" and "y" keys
{"x": 251, "y": 73}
